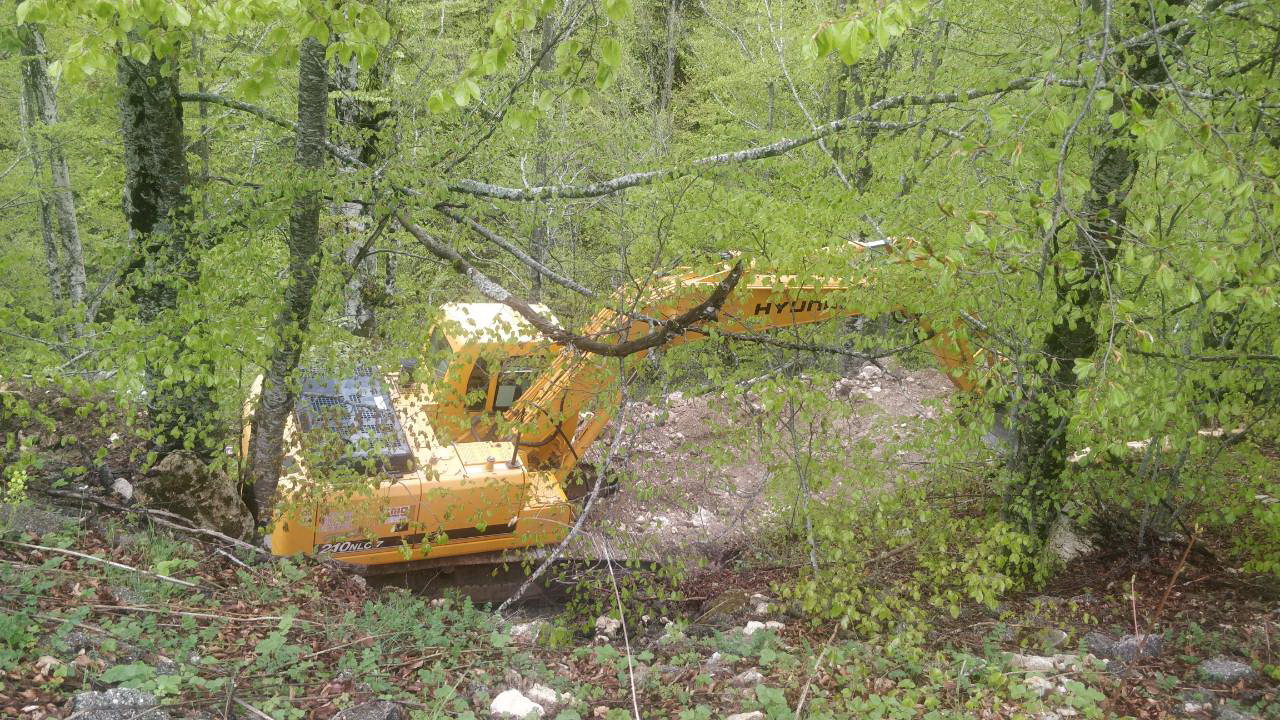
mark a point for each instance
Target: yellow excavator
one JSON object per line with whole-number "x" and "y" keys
{"x": 470, "y": 454}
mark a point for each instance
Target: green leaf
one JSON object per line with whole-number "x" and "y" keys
{"x": 24, "y": 9}
{"x": 179, "y": 16}
{"x": 1117, "y": 119}
{"x": 604, "y": 76}
{"x": 611, "y": 52}
{"x": 437, "y": 103}
{"x": 461, "y": 94}
{"x": 617, "y": 9}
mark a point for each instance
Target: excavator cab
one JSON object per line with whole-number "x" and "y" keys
{"x": 484, "y": 356}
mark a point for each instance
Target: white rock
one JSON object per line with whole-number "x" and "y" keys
{"x": 1039, "y": 685}
{"x": 676, "y": 396}
{"x": 123, "y": 488}
{"x": 1053, "y": 663}
{"x": 754, "y": 626}
{"x": 1066, "y": 543}
{"x": 869, "y": 372}
{"x": 753, "y": 715}
{"x": 527, "y": 632}
{"x": 761, "y": 609}
{"x": 546, "y": 697}
{"x": 115, "y": 438}
{"x": 1194, "y": 708}
{"x": 748, "y": 678}
{"x": 608, "y": 626}
{"x": 513, "y": 704}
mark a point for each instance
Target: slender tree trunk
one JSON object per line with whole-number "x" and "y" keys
{"x": 349, "y": 114}
{"x": 53, "y": 263}
{"x": 1034, "y": 499}
{"x": 266, "y": 445}
{"x": 542, "y": 239}
{"x": 157, "y": 208}
{"x": 42, "y": 106}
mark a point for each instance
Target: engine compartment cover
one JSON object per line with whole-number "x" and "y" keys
{"x": 357, "y": 412}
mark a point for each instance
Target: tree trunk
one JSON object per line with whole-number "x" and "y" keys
{"x": 42, "y": 106}
{"x": 53, "y": 263}
{"x": 157, "y": 208}
{"x": 266, "y": 445}
{"x": 1033, "y": 499}
{"x": 542, "y": 238}
{"x": 357, "y": 312}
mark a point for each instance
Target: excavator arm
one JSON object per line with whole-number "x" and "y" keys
{"x": 564, "y": 411}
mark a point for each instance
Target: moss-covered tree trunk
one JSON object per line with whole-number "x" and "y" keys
{"x": 157, "y": 208}
{"x": 266, "y": 444}
{"x": 1080, "y": 278}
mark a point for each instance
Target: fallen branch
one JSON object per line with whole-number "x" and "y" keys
{"x": 666, "y": 329}
{"x": 112, "y": 563}
{"x": 154, "y": 515}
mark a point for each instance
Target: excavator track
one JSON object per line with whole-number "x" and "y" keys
{"x": 494, "y": 577}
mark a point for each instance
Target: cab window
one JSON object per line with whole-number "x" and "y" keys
{"x": 441, "y": 354}
{"x": 478, "y": 386}
{"x": 516, "y": 376}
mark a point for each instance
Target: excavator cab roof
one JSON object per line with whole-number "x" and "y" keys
{"x": 491, "y": 325}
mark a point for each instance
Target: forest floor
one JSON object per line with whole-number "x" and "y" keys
{"x": 695, "y": 474}
{"x": 185, "y": 625}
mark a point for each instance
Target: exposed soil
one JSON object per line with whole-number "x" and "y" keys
{"x": 694, "y": 476}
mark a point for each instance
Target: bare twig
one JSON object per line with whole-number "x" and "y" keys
{"x": 582, "y": 516}
{"x": 804, "y": 693}
{"x": 519, "y": 254}
{"x": 1182, "y": 563}
{"x": 154, "y": 515}
{"x": 112, "y": 563}
{"x": 622, "y": 617}
{"x": 253, "y": 710}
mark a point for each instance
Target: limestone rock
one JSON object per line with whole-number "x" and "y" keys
{"x": 1040, "y": 685}
{"x": 549, "y": 699}
{"x": 608, "y": 626}
{"x": 1133, "y": 647}
{"x": 375, "y": 710}
{"x": 1227, "y": 712}
{"x": 512, "y": 704}
{"x": 1049, "y": 663}
{"x": 753, "y": 715}
{"x": 1066, "y": 543}
{"x": 1050, "y": 638}
{"x": 747, "y": 679}
{"x": 755, "y": 626}
{"x": 117, "y": 704}
{"x": 1099, "y": 644}
{"x": 123, "y": 488}
{"x": 182, "y": 484}
{"x": 1226, "y": 671}
{"x": 527, "y": 632}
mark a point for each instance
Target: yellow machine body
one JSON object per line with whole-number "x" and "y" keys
{"x": 500, "y": 417}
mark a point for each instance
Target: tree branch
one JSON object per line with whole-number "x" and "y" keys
{"x": 519, "y": 254}
{"x": 666, "y": 330}
{"x": 622, "y": 182}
